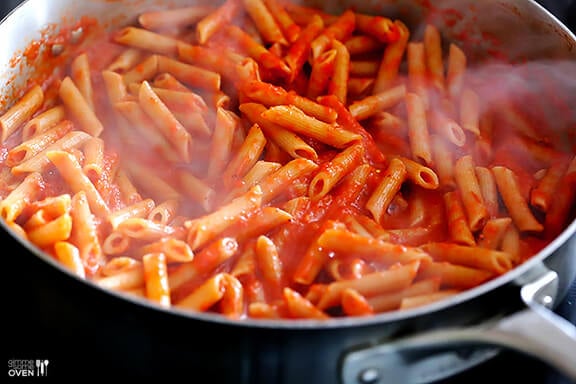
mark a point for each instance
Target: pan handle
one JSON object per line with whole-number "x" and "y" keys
{"x": 535, "y": 331}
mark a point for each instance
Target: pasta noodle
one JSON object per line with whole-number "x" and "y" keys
{"x": 266, "y": 160}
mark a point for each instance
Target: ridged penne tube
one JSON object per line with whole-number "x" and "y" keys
{"x": 358, "y": 45}
{"x": 270, "y": 95}
{"x": 348, "y": 244}
{"x": 176, "y": 251}
{"x": 289, "y": 27}
{"x": 418, "y": 134}
{"x": 169, "y": 82}
{"x": 391, "y": 60}
{"x": 456, "y": 68}
{"x": 387, "y": 188}
{"x": 197, "y": 190}
{"x": 40, "y": 161}
{"x": 261, "y": 310}
{"x": 221, "y": 288}
{"x": 299, "y": 52}
{"x": 493, "y": 261}
{"x": 488, "y": 189}
{"x": 314, "y": 258}
{"x": 340, "y": 29}
{"x": 434, "y": 57}
{"x": 246, "y": 156}
{"x": 134, "y": 113}
{"x": 322, "y": 70}
{"x": 514, "y": 201}
{"x": 125, "y": 60}
{"x": 43, "y": 121}
{"x": 259, "y": 172}
{"x": 177, "y": 100}
{"x": 71, "y": 171}
{"x": 493, "y": 232}
{"x": 373, "y": 284}
{"x": 156, "y": 278}
{"x": 205, "y": 261}
{"x": 216, "y": 20}
{"x": 85, "y": 234}
{"x": 258, "y": 224}
{"x": 420, "y": 175}
{"x": 93, "y": 165}
{"x": 391, "y": 301}
{"x": 470, "y": 192}
{"x": 131, "y": 279}
{"x": 470, "y": 111}
{"x": 128, "y": 192}
{"x": 358, "y": 87}
{"x": 222, "y": 139}
{"x": 299, "y": 307}
{"x": 268, "y": 260}
{"x": 34, "y": 145}
{"x": 116, "y": 243}
{"x": 151, "y": 184}
{"x": 145, "y": 70}
{"x": 69, "y": 256}
{"x": 120, "y": 264}
{"x": 80, "y": 73}
{"x": 511, "y": 243}
{"x": 443, "y": 161}
{"x": 137, "y": 209}
{"x": 49, "y": 208}
{"x": 165, "y": 121}
{"x": 558, "y": 216}
{"x": 177, "y": 18}
{"x": 144, "y": 229}
{"x": 221, "y": 59}
{"x": 205, "y": 228}
{"x": 338, "y": 83}
{"x": 354, "y": 304}
{"x": 417, "y": 71}
{"x": 458, "y": 228}
{"x": 257, "y": 51}
{"x": 378, "y": 102}
{"x": 265, "y": 22}
{"x": 164, "y": 212}
{"x": 79, "y": 108}
{"x": 188, "y": 74}
{"x": 292, "y": 118}
{"x": 146, "y": 40}
{"x": 428, "y": 298}
{"x": 381, "y": 27}
{"x": 20, "y": 112}
{"x": 331, "y": 172}
{"x": 285, "y": 139}
{"x": 51, "y": 232}
{"x": 447, "y": 128}
{"x": 274, "y": 183}
{"x": 542, "y": 194}
{"x": 453, "y": 275}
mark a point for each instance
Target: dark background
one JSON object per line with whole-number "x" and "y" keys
{"x": 521, "y": 369}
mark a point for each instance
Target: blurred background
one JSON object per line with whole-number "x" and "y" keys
{"x": 521, "y": 368}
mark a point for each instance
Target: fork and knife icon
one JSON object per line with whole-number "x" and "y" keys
{"x": 42, "y": 367}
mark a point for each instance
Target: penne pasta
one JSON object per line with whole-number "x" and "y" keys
{"x": 272, "y": 160}
{"x": 20, "y": 112}
{"x": 517, "y": 206}
{"x": 389, "y": 186}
